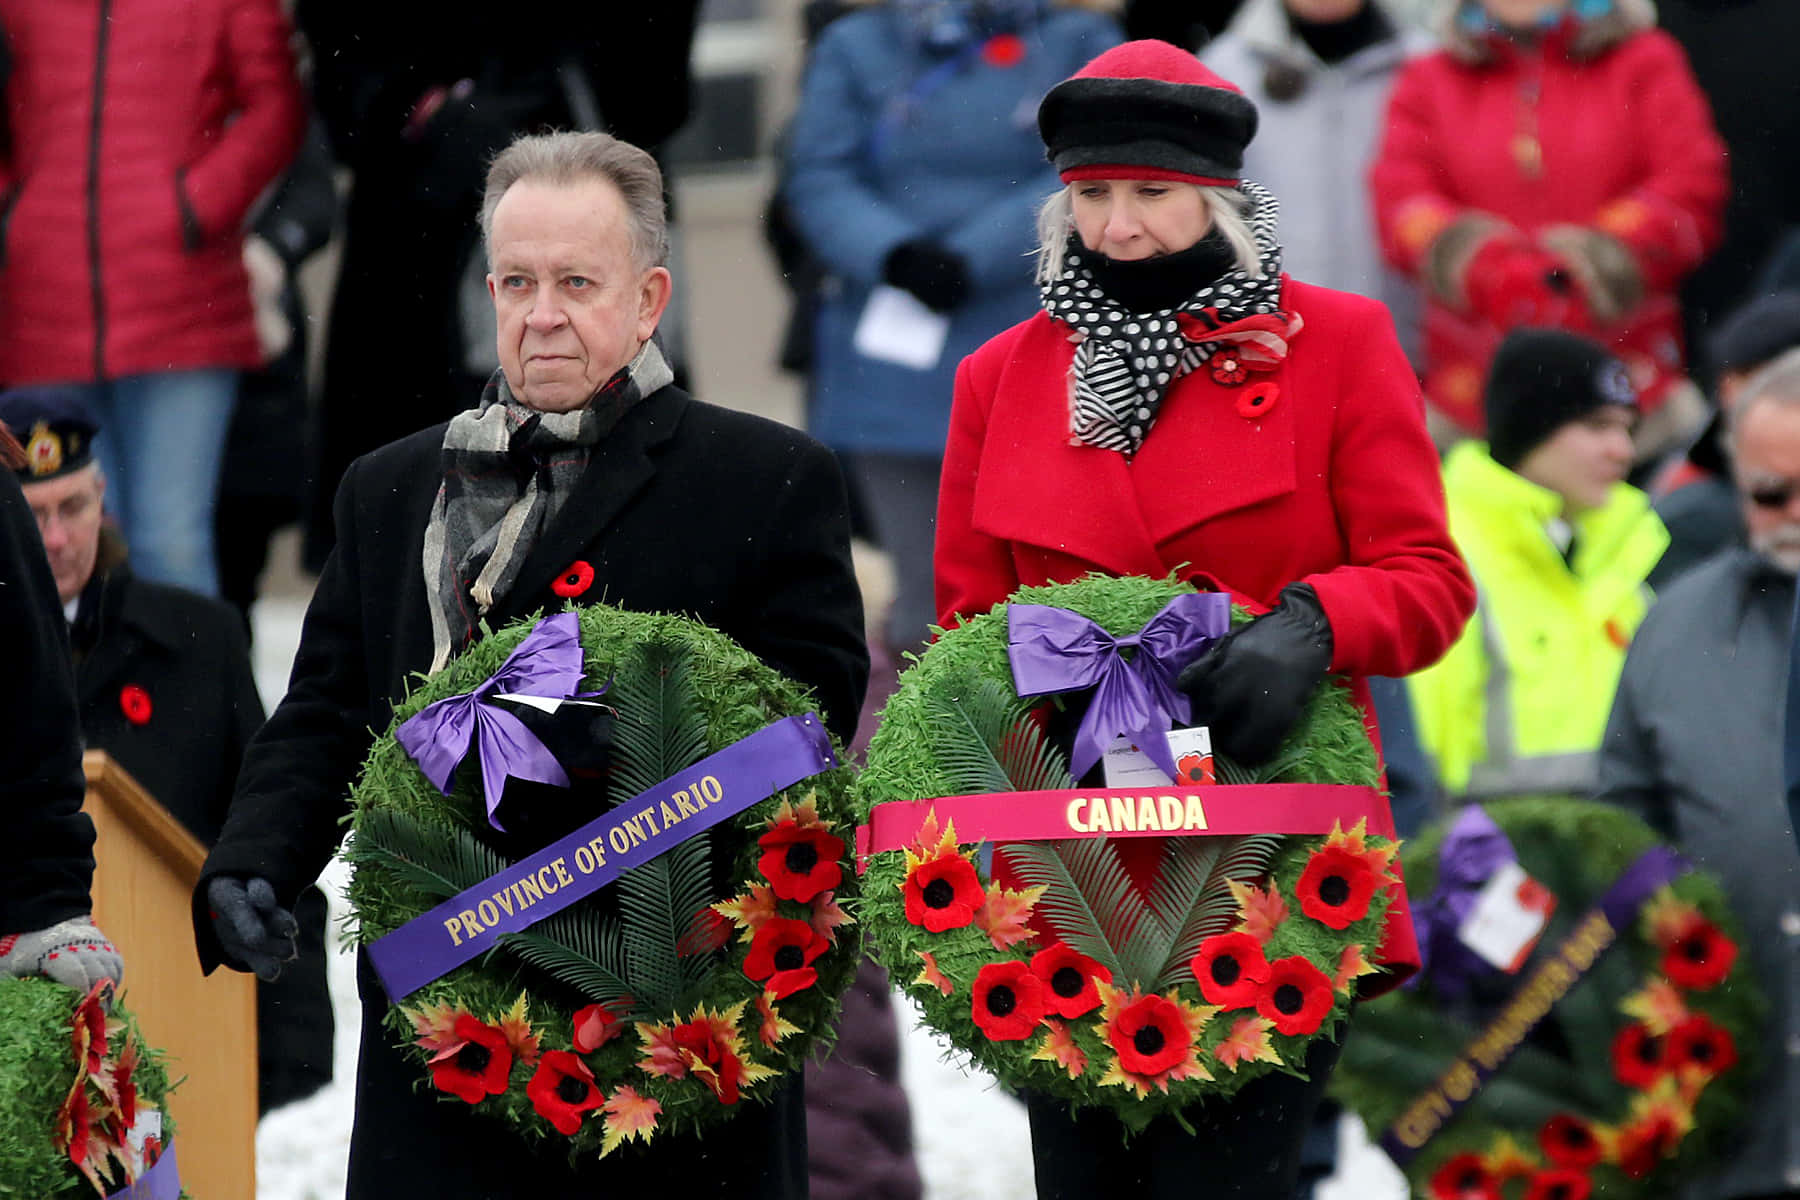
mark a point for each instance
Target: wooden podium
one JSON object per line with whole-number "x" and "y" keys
{"x": 146, "y": 866}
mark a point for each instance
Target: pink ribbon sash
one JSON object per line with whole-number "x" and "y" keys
{"x": 1173, "y": 811}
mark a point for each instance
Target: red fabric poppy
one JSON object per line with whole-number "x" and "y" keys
{"x": 1195, "y": 769}
{"x": 134, "y": 702}
{"x": 1003, "y": 50}
{"x": 799, "y": 863}
{"x": 1297, "y": 996}
{"x": 1257, "y": 399}
{"x": 1228, "y": 368}
{"x": 575, "y": 579}
{"x": 1564, "y": 1184}
{"x": 594, "y": 1026}
{"x": 562, "y": 1089}
{"x": 781, "y": 956}
{"x": 1699, "y": 1044}
{"x": 1335, "y": 887}
{"x": 1464, "y": 1177}
{"x": 1007, "y": 1001}
{"x": 1642, "y": 1144}
{"x": 1639, "y": 1059}
{"x": 1700, "y": 958}
{"x": 943, "y": 893}
{"x": 1230, "y": 969}
{"x": 1150, "y": 1036}
{"x": 1569, "y": 1142}
{"x": 704, "y": 1043}
{"x": 479, "y": 1067}
{"x": 1070, "y": 979}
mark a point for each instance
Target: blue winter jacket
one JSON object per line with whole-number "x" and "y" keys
{"x": 886, "y": 147}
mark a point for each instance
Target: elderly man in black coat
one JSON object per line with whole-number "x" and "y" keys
{"x": 581, "y": 456}
{"x": 163, "y": 679}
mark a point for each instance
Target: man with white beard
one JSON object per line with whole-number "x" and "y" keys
{"x": 1694, "y": 746}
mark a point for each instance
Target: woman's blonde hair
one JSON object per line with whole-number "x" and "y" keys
{"x": 1225, "y": 207}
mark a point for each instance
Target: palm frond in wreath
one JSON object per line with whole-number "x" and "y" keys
{"x": 1202, "y": 868}
{"x": 437, "y": 858}
{"x": 581, "y": 950}
{"x": 1088, "y": 896}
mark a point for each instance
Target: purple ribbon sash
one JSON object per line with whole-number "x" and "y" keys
{"x": 1056, "y": 650}
{"x": 547, "y": 663}
{"x": 161, "y": 1182}
{"x": 1554, "y": 977}
{"x": 714, "y": 789}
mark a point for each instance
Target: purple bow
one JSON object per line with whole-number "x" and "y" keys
{"x": 1472, "y": 851}
{"x": 547, "y": 663}
{"x": 1055, "y": 650}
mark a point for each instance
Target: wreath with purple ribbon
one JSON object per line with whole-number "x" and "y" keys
{"x": 1610, "y": 1061}
{"x": 1046, "y": 961}
{"x": 594, "y": 920}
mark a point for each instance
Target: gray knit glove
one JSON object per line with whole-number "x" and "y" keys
{"x": 74, "y": 953}
{"x": 256, "y": 933}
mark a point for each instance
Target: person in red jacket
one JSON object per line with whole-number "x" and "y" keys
{"x": 1181, "y": 405}
{"x": 1556, "y": 165}
{"x": 140, "y": 134}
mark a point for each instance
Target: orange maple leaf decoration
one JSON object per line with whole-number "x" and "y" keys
{"x": 750, "y": 911}
{"x": 933, "y": 843}
{"x": 804, "y": 814}
{"x": 1059, "y": 1047}
{"x": 931, "y": 975}
{"x": 1262, "y": 910}
{"x": 1506, "y": 1159}
{"x": 629, "y": 1116}
{"x": 1352, "y": 964}
{"x": 1658, "y": 1005}
{"x": 1668, "y": 917}
{"x": 1355, "y": 841}
{"x": 515, "y": 1026}
{"x": 1003, "y": 915}
{"x": 667, "y": 1058}
{"x": 1248, "y": 1041}
{"x": 827, "y": 916}
{"x": 774, "y": 1027}
{"x": 435, "y": 1025}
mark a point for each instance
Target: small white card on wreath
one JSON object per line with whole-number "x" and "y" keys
{"x": 1128, "y": 766}
{"x": 1508, "y": 918}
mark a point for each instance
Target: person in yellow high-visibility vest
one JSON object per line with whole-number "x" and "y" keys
{"x": 1559, "y": 546}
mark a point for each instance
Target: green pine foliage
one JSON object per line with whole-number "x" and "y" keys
{"x": 1403, "y": 1042}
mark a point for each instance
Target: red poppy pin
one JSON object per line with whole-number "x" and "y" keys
{"x": 575, "y": 579}
{"x": 1004, "y": 50}
{"x": 134, "y": 702}
{"x": 1257, "y": 400}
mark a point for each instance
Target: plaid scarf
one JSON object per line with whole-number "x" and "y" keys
{"x": 507, "y": 471}
{"x": 1125, "y": 361}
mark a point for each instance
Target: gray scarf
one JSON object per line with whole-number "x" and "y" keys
{"x": 507, "y": 471}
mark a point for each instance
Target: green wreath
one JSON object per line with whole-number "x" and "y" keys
{"x": 81, "y": 1096}
{"x": 1633, "y": 1077}
{"x": 596, "y": 1027}
{"x": 1145, "y": 1018}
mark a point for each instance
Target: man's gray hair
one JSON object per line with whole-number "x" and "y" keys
{"x": 1224, "y": 206}
{"x": 1778, "y": 382}
{"x": 568, "y": 158}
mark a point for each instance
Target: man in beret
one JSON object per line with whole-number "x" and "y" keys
{"x": 164, "y": 685}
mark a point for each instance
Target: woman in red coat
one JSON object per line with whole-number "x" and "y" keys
{"x": 1555, "y": 164}
{"x": 1181, "y": 405}
{"x": 140, "y": 134}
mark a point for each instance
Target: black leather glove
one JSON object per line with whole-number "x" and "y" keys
{"x": 253, "y": 930}
{"x": 1251, "y": 686}
{"x": 938, "y": 277}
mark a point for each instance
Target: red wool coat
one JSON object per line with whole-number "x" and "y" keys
{"x": 1334, "y": 483}
{"x": 141, "y": 133}
{"x": 1621, "y": 141}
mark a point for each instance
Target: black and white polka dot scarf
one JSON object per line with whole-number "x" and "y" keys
{"x": 1125, "y": 361}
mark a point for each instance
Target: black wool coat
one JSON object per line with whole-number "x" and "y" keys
{"x": 47, "y": 854}
{"x": 187, "y": 654}
{"x": 684, "y": 508}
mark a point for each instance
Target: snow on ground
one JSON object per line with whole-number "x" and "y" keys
{"x": 972, "y": 1139}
